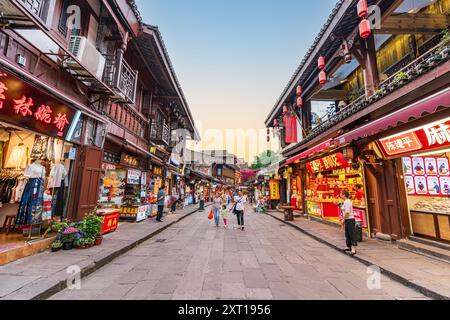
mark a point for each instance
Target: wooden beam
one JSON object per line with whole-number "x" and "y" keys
{"x": 332, "y": 94}
{"x": 409, "y": 23}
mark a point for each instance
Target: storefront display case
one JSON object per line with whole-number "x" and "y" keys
{"x": 326, "y": 179}
{"x": 135, "y": 207}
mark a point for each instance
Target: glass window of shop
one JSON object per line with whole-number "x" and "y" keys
{"x": 326, "y": 179}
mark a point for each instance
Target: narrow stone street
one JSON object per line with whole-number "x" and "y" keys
{"x": 269, "y": 260}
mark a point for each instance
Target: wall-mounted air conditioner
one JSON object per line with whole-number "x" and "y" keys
{"x": 87, "y": 54}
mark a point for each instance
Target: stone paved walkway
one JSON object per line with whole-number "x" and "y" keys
{"x": 35, "y": 276}
{"x": 269, "y": 260}
{"x": 429, "y": 273}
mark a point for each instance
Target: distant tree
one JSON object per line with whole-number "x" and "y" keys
{"x": 264, "y": 160}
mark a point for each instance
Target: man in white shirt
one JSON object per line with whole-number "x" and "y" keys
{"x": 239, "y": 209}
{"x": 348, "y": 219}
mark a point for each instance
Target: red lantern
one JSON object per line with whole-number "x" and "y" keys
{"x": 322, "y": 77}
{"x": 285, "y": 109}
{"x": 365, "y": 29}
{"x": 299, "y": 90}
{"x": 268, "y": 131}
{"x": 321, "y": 62}
{"x": 275, "y": 123}
{"x": 268, "y": 138}
{"x": 363, "y": 9}
{"x": 299, "y": 102}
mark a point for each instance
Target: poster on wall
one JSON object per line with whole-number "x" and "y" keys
{"x": 409, "y": 183}
{"x": 445, "y": 186}
{"x": 418, "y": 166}
{"x": 407, "y": 166}
{"x": 434, "y": 187}
{"x": 420, "y": 183}
{"x": 430, "y": 166}
{"x": 133, "y": 177}
{"x": 443, "y": 166}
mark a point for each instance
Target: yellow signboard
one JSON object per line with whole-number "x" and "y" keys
{"x": 274, "y": 190}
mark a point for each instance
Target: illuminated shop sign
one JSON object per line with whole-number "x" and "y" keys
{"x": 128, "y": 160}
{"x": 432, "y": 136}
{"x": 328, "y": 163}
{"x": 26, "y": 106}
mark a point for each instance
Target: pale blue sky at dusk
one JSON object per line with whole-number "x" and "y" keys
{"x": 233, "y": 58}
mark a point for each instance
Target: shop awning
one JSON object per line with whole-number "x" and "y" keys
{"x": 425, "y": 106}
{"x": 310, "y": 152}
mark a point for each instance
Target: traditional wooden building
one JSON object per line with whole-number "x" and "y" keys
{"x": 372, "y": 99}
{"x": 86, "y": 87}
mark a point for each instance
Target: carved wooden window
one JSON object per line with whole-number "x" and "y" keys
{"x": 39, "y": 8}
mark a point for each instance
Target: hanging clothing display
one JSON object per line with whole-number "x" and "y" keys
{"x": 58, "y": 173}
{"x": 40, "y": 147}
{"x": 31, "y": 204}
{"x": 17, "y": 152}
{"x": 58, "y": 201}
{"x": 47, "y": 209}
{"x": 50, "y": 149}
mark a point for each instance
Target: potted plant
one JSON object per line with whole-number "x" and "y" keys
{"x": 91, "y": 227}
{"x": 68, "y": 237}
{"x": 56, "y": 245}
{"x": 401, "y": 78}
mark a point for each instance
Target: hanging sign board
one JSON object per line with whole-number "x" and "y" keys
{"x": 432, "y": 136}
{"x": 274, "y": 189}
{"x": 28, "y": 107}
{"x": 328, "y": 163}
{"x": 129, "y": 161}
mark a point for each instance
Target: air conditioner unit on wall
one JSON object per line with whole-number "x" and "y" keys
{"x": 88, "y": 55}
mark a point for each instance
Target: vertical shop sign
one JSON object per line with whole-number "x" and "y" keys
{"x": 274, "y": 189}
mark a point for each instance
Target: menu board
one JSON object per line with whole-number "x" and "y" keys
{"x": 427, "y": 176}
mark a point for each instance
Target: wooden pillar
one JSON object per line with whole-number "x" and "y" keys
{"x": 371, "y": 77}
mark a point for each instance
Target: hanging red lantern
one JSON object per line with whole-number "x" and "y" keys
{"x": 299, "y": 102}
{"x": 275, "y": 123}
{"x": 365, "y": 29}
{"x": 268, "y": 131}
{"x": 323, "y": 77}
{"x": 285, "y": 109}
{"x": 299, "y": 90}
{"x": 321, "y": 62}
{"x": 363, "y": 9}
{"x": 268, "y": 138}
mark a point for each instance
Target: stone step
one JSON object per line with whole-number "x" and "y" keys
{"x": 427, "y": 248}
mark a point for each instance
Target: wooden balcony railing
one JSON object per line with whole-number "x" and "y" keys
{"x": 423, "y": 64}
{"x": 160, "y": 133}
{"x": 121, "y": 77}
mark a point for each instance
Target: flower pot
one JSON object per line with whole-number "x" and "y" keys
{"x": 98, "y": 241}
{"x": 68, "y": 246}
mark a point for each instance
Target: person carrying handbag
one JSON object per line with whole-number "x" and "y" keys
{"x": 239, "y": 208}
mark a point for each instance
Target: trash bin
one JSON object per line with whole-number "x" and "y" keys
{"x": 359, "y": 233}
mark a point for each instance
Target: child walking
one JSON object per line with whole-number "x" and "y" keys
{"x": 225, "y": 215}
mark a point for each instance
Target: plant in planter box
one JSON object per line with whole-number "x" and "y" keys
{"x": 401, "y": 78}
{"x": 445, "y": 41}
{"x": 56, "y": 245}
{"x": 69, "y": 236}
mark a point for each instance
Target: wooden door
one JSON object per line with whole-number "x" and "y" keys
{"x": 87, "y": 184}
{"x": 373, "y": 204}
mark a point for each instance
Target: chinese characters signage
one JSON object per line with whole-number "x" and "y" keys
{"x": 432, "y": 136}
{"x": 24, "y": 105}
{"x": 427, "y": 176}
{"x": 274, "y": 190}
{"x": 128, "y": 160}
{"x": 329, "y": 163}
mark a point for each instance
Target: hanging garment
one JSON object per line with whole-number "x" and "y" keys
{"x": 19, "y": 189}
{"x": 31, "y": 204}
{"x": 59, "y": 195}
{"x": 35, "y": 170}
{"x": 18, "y": 157}
{"x": 47, "y": 207}
{"x": 39, "y": 150}
{"x": 57, "y": 175}
{"x": 58, "y": 147}
{"x": 51, "y": 149}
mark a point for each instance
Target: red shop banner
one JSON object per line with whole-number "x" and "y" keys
{"x": 432, "y": 136}
{"x": 328, "y": 163}
{"x": 28, "y": 107}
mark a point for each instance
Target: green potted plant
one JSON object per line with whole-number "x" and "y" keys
{"x": 91, "y": 227}
{"x": 401, "y": 78}
{"x": 56, "y": 245}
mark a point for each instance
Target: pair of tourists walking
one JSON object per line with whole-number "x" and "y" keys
{"x": 222, "y": 211}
